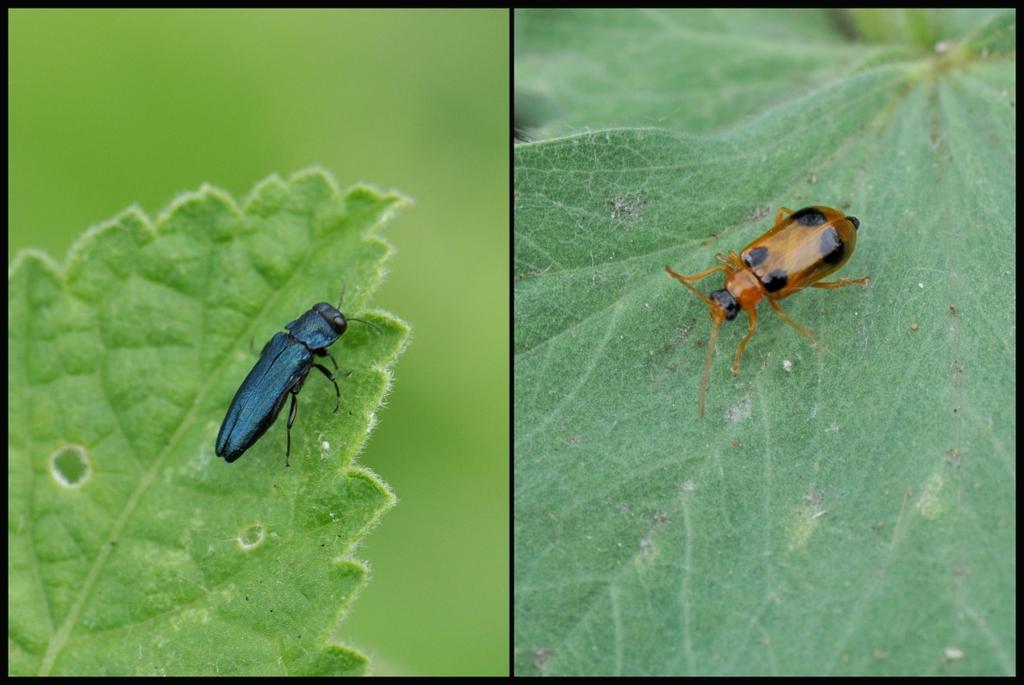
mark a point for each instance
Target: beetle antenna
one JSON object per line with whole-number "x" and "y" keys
{"x": 368, "y": 323}
{"x": 707, "y": 363}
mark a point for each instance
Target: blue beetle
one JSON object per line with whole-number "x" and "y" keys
{"x": 281, "y": 370}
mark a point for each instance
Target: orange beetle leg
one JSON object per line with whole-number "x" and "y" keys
{"x": 731, "y": 259}
{"x": 842, "y": 283}
{"x": 752, "y": 317}
{"x": 687, "y": 280}
{"x": 782, "y": 214}
{"x": 735, "y": 261}
{"x": 803, "y": 330}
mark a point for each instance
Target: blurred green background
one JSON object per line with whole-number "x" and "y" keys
{"x": 109, "y": 108}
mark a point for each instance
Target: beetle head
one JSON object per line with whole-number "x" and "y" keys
{"x": 333, "y": 317}
{"x": 725, "y": 301}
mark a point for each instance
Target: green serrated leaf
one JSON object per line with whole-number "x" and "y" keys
{"x": 132, "y": 548}
{"x": 844, "y": 512}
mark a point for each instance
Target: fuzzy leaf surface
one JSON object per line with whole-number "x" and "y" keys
{"x": 133, "y": 549}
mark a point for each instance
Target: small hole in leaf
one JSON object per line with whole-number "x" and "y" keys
{"x": 251, "y": 537}
{"x": 70, "y": 466}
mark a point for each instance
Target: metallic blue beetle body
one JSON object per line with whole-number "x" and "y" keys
{"x": 281, "y": 370}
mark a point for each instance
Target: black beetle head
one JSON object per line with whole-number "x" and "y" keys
{"x": 855, "y": 221}
{"x": 724, "y": 299}
{"x": 333, "y": 317}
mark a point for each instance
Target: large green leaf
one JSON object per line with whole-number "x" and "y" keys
{"x": 844, "y": 511}
{"x": 132, "y": 548}
{"x": 698, "y": 70}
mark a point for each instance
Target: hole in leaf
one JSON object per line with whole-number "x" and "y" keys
{"x": 70, "y": 466}
{"x": 251, "y": 537}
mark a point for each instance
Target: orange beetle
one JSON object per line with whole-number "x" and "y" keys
{"x": 799, "y": 250}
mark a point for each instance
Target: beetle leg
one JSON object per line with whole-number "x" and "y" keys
{"x": 734, "y": 260}
{"x": 687, "y": 280}
{"x": 325, "y": 371}
{"x": 693, "y": 278}
{"x": 730, "y": 259}
{"x": 291, "y": 420}
{"x": 782, "y": 214}
{"x": 752, "y": 318}
{"x": 803, "y": 330}
{"x": 842, "y": 283}
{"x": 325, "y": 353}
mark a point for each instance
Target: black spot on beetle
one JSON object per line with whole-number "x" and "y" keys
{"x": 755, "y": 257}
{"x": 832, "y": 248}
{"x": 775, "y": 281}
{"x": 808, "y": 216}
{"x": 855, "y": 221}
{"x": 724, "y": 299}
